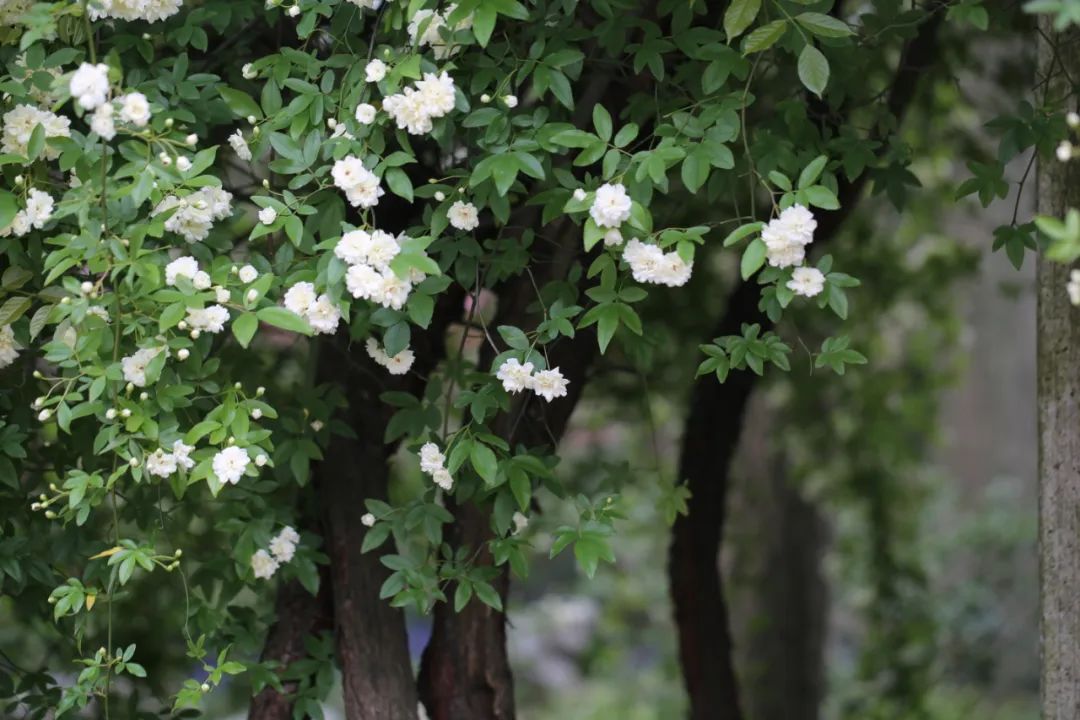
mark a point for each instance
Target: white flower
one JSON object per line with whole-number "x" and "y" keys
{"x": 644, "y": 260}
{"x": 365, "y": 113}
{"x": 248, "y": 273}
{"x": 806, "y": 281}
{"x": 520, "y": 522}
{"x": 101, "y": 122}
{"x": 514, "y": 376}
{"x": 193, "y": 216}
{"x": 283, "y": 546}
{"x": 9, "y": 350}
{"x": 160, "y": 463}
{"x": 210, "y": 319}
{"x": 182, "y": 453}
{"x": 323, "y": 315}
{"x": 442, "y": 478}
{"x": 613, "y": 238}
{"x": 787, "y": 235}
{"x": 1064, "y": 151}
{"x": 549, "y": 384}
{"x": 300, "y": 297}
{"x": 263, "y": 565}
{"x": 361, "y": 186}
{"x": 611, "y": 205}
{"x": 673, "y": 270}
{"x": 367, "y": 520}
{"x": 19, "y": 124}
{"x": 1072, "y": 287}
{"x": 426, "y": 28}
{"x": 135, "y": 109}
{"x": 580, "y": 195}
{"x": 184, "y": 266}
{"x": 511, "y": 101}
{"x": 463, "y": 216}
{"x": 222, "y": 295}
{"x": 149, "y": 10}
{"x": 385, "y": 288}
{"x": 183, "y": 164}
{"x": 401, "y": 363}
{"x": 134, "y": 366}
{"x": 375, "y": 70}
{"x": 39, "y": 207}
{"x": 414, "y": 108}
{"x": 201, "y": 281}
{"x": 367, "y": 4}
{"x": 229, "y": 464}
{"x": 90, "y": 85}
{"x": 240, "y": 146}
{"x": 375, "y": 351}
{"x": 431, "y": 459}
{"x": 267, "y": 216}
{"x": 98, "y": 312}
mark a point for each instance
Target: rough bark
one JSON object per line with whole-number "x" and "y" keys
{"x": 1058, "y": 399}
{"x": 712, "y": 432}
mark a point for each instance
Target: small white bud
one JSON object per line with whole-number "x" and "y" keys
{"x": 256, "y": 130}
{"x": 251, "y": 119}
{"x": 192, "y": 139}
{"x": 144, "y": 396}
{"x": 50, "y": 514}
{"x": 125, "y": 413}
{"x": 1073, "y": 119}
{"x": 331, "y": 123}
{"x": 134, "y": 462}
{"x": 579, "y": 195}
{"x": 205, "y": 687}
{"x": 44, "y": 415}
{"x": 367, "y": 520}
{"x": 110, "y": 414}
{"x": 182, "y": 325}
{"x": 294, "y": 11}
{"x": 86, "y": 288}
{"x": 146, "y": 36}
{"x": 260, "y": 460}
{"x": 168, "y": 122}
{"x": 485, "y": 98}
{"x": 38, "y": 375}
{"x": 252, "y": 295}
{"x": 38, "y": 402}
{"x": 260, "y": 391}
{"x": 510, "y": 100}
{"x": 266, "y": 183}
{"x": 231, "y": 440}
{"x": 65, "y": 300}
{"x": 183, "y": 164}
{"x": 194, "y": 334}
{"x": 128, "y": 388}
{"x": 238, "y": 386}
{"x": 18, "y": 179}
{"x": 1064, "y": 151}
{"x": 183, "y": 354}
{"x": 256, "y": 414}
{"x": 165, "y": 159}
{"x": 440, "y": 195}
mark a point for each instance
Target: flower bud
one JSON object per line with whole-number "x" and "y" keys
{"x": 440, "y": 195}
{"x": 260, "y": 391}
{"x": 168, "y": 122}
{"x": 144, "y": 396}
{"x": 125, "y": 413}
{"x": 252, "y": 295}
{"x": 331, "y": 123}
{"x": 194, "y": 334}
{"x": 238, "y": 386}
{"x": 129, "y": 388}
{"x": 231, "y": 440}
{"x": 178, "y": 553}
{"x": 485, "y": 98}
{"x": 110, "y": 414}
{"x": 256, "y": 414}
{"x": 18, "y": 179}
{"x": 191, "y": 139}
{"x": 266, "y": 183}
{"x": 183, "y": 354}
{"x": 134, "y": 462}
{"x": 1073, "y": 119}
{"x": 260, "y": 460}
{"x": 65, "y": 300}
{"x": 44, "y": 415}
{"x": 251, "y": 119}
{"x": 50, "y": 514}
{"x": 205, "y": 687}
{"x": 182, "y": 325}
{"x": 38, "y": 375}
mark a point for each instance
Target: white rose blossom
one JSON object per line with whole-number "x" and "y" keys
{"x": 229, "y": 464}
{"x": 89, "y": 85}
{"x": 806, "y": 281}
{"x": 463, "y": 216}
{"x": 549, "y": 384}
{"x": 375, "y": 71}
{"x": 263, "y": 565}
{"x": 9, "y": 349}
{"x": 611, "y": 205}
{"x": 514, "y": 375}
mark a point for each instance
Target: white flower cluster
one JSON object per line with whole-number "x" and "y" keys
{"x": 369, "y": 276}
{"x": 134, "y": 366}
{"x": 515, "y": 377}
{"x": 163, "y": 463}
{"x": 397, "y": 364}
{"x": 433, "y": 463}
{"x": 415, "y": 107}
{"x": 19, "y": 124}
{"x": 426, "y": 28}
{"x": 38, "y": 210}
{"x": 463, "y": 216}
{"x": 230, "y": 464}
{"x": 195, "y": 214}
{"x": 361, "y": 186}
{"x": 321, "y": 312}
{"x": 187, "y": 266}
{"x": 89, "y": 85}
{"x": 209, "y": 319}
{"x": 282, "y": 549}
{"x": 9, "y": 350}
{"x": 148, "y": 10}
{"x": 649, "y": 264}
{"x": 786, "y": 237}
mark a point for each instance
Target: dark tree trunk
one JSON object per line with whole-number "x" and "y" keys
{"x": 713, "y": 426}
{"x": 1058, "y": 401}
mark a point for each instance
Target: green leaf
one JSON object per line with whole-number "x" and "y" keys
{"x": 739, "y": 16}
{"x": 742, "y": 232}
{"x": 812, "y": 172}
{"x": 823, "y": 25}
{"x": 752, "y": 259}
{"x": 12, "y": 309}
{"x": 813, "y": 70}
{"x": 284, "y": 319}
{"x": 36, "y": 143}
{"x": 602, "y": 122}
{"x": 399, "y": 183}
{"x": 514, "y": 337}
{"x": 244, "y": 327}
{"x": 171, "y": 315}
{"x": 241, "y": 104}
{"x": 8, "y": 208}
{"x": 484, "y": 462}
{"x": 764, "y": 37}
{"x": 483, "y": 24}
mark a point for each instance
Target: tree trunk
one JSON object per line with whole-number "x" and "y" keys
{"x": 1058, "y": 402}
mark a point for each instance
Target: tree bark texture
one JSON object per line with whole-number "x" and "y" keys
{"x": 1058, "y": 398}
